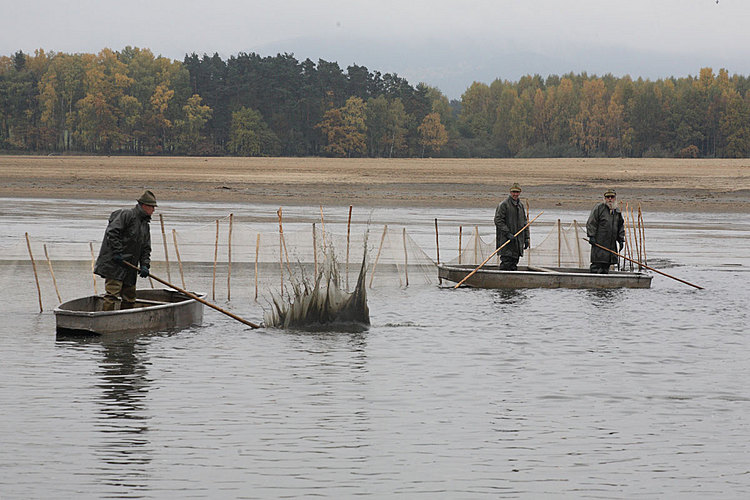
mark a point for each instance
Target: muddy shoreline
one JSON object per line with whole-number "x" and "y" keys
{"x": 658, "y": 184}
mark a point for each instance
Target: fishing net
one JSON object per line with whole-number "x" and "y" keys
{"x": 230, "y": 259}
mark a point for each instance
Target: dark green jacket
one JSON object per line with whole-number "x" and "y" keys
{"x": 509, "y": 218}
{"x": 605, "y": 227}
{"x": 127, "y": 233}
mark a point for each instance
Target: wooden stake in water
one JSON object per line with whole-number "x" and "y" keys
{"x": 229, "y": 259}
{"x": 348, "y": 233}
{"x": 93, "y": 264}
{"x": 166, "y": 253}
{"x": 54, "y": 281}
{"x": 257, "y": 248}
{"x": 377, "y": 257}
{"x": 460, "y": 234}
{"x": 281, "y": 247}
{"x": 642, "y": 225}
{"x": 476, "y": 244}
{"x": 559, "y": 243}
{"x": 437, "y": 249}
{"x": 36, "y": 276}
{"x": 406, "y": 260}
{"x": 286, "y": 253}
{"x": 216, "y": 257}
{"x": 636, "y": 238}
{"x": 315, "y": 250}
{"x": 322, "y": 225}
{"x": 179, "y": 260}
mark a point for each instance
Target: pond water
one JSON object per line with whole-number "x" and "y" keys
{"x": 449, "y": 394}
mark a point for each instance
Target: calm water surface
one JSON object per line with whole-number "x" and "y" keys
{"x": 449, "y": 394}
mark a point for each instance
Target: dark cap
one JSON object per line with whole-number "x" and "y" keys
{"x": 515, "y": 188}
{"x": 147, "y": 198}
{"x": 610, "y": 192}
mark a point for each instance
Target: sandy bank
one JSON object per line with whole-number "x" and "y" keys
{"x": 659, "y": 184}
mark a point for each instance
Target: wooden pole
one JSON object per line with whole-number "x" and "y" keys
{"x": 559, "y": 243}
{"x": 216, "y": 257}
{"x": 54, "y": 281}
{"x": 476, "y": 244}
{"x": 437, "y": 249}
{"x": 93, "y": 264}
{"x": 36, "y": 276}
{"x": 257, "y": 248}
{"x": 406, "y": 259}
{"x": 315, "y": 250}
{"x": 642, "y": 225}
{"x": 635, "y": 235}
{"x": 202, "y": 301}
{"x": 281, "y": 249}
{"x": 164, "y": 240}
{"x": 179, "y": 260}
{"x": 496, "y": 250}
{"x": 348, "y": 232}
{"x": 377, "y": 257}
{"x": 528, "y": 254}
{"x": 322, "y": 225}
{"x": 629, "y": 234}
{"x": 437, "y": 242}
{"x": 229, "y": 259}
{"x": 460, "y": 234}
{"x": 647, "y": 267}
{"x": 286, "y": 254}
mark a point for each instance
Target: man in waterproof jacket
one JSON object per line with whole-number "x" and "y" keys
{"x": 510, "y": 217}
{"x": 126, "y": 239}
{"x": 605, "y": 227}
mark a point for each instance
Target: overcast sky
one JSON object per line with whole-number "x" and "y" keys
{"x": 447, "y": 44}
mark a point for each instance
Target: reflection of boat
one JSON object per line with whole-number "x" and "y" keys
{"x": 154, "y": 310}
{"x": 542, "y": 277}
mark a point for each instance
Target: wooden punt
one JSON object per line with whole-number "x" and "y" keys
{"x": 155, "y": 310}
{"x": 542, "y": 277}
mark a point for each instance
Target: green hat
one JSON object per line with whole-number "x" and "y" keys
{"x": 610, "y": 192}
{"x": 147, "y": 198}
{"x": 515, "y": 188}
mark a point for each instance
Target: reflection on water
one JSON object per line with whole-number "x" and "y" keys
{"x": 122, "y": 379}
{"x": 509, "y": 297}
{"x": 605, "y": 297}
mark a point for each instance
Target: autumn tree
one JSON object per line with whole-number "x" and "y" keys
{"x": 190, "y": 127}
{"x": 344, "y": 129}
{"x": 432, "y": 133}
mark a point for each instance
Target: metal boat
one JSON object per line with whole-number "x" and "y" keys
{"x": 155, "y": 310}
{"x": 541, "y": 277}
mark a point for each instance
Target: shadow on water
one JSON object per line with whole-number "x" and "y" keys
{"x": 122, "y": 422}
{"x": 605, "y": 297}
{"x": 510, "y": 296}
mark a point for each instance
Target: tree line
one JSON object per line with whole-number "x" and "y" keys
{"x": 132, "y": 102}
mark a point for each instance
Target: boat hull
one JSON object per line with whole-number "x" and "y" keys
{"x": 155, "y": 310}
{"x": 493, "y": 277}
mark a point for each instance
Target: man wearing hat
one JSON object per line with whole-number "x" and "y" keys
{"x": 126, "y": 239}
{"x": 510, "y": 217}
{"x": 605, "y": 227}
